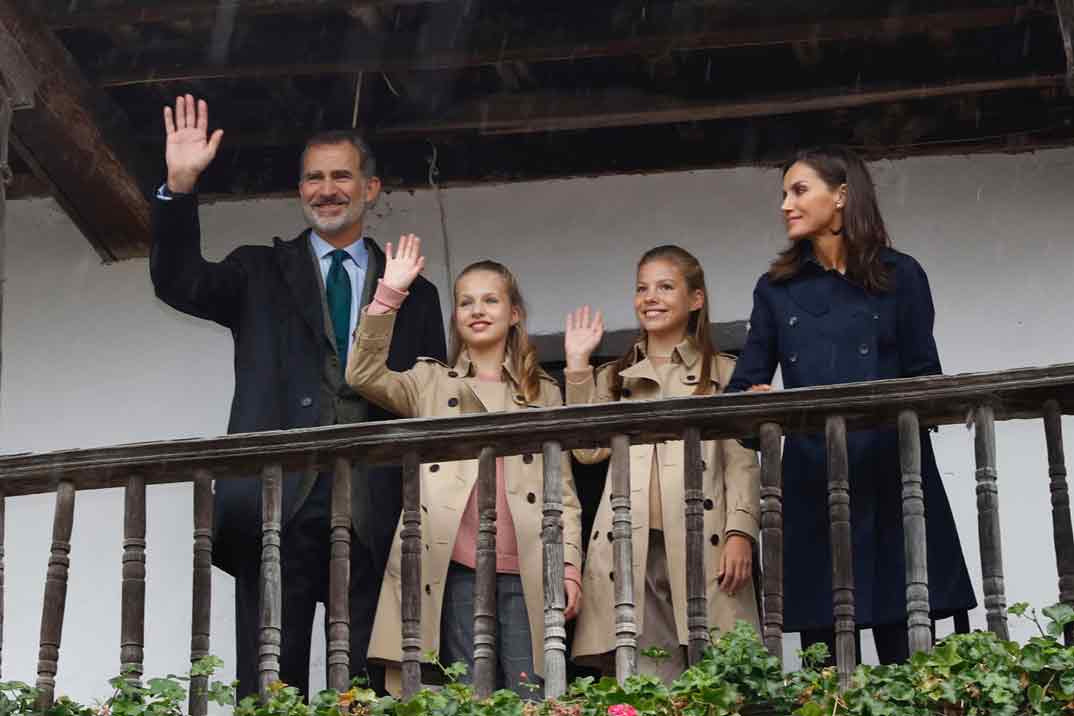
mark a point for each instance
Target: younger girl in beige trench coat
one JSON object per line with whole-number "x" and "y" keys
{"x": 673, "y": 357}
{"x": 493, "y": 368}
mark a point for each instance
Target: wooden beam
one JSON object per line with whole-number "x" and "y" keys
{"x": 549, "y": 112}
{"x": 69, "y": 139}
{"x": 938, "y": 400}
{"x": 399, "y": 54}
{"x": 96, "y": 13}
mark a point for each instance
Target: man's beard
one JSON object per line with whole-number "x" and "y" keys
{"x": 353, "y": 214}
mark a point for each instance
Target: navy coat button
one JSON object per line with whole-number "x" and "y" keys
{"x": 452, "y": 402}
{"x": 452, "y": 374}
{"x": 863, "y": 349}
{"x": 306, "y": 402}
{"x": 792, "y": 321}
{"x": 876, "y": 316}
{"x": 793, "y": 357}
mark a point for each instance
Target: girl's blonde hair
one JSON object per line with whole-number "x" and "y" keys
{"x": 698, "y": 326}
{"x": 519, "y": 349}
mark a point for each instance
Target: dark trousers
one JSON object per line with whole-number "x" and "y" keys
{"x": 514, "y": 651}
{"x": 892, "y": 645}
{"x": 305, "y": 552}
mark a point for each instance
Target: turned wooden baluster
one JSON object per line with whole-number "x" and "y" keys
{"x": 555, "y": 631}
{"x": 132, "y": 621}
{"x": 919, "y": 625}
{"x": 339, "y": 579}
{"x": 842, "y": 550}
{"x": 485, "y": 586}
{"x": 772, "y": 536}
{"x": 988, "y": 521}
{"x": 696, "y": 599}
{"x": 411, "y": 574}
{"x": 271, "y": 597}
{"x": 1062, "y": 533}
{"x": 2, "y": 507}
{"x": 201, "y": 603}
{"x": 55, "y": 600}
{"x": 626, "y": 628}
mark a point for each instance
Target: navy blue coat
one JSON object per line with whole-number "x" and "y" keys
{"x": 822, "y": 329}
{"x": 270, "y": 299}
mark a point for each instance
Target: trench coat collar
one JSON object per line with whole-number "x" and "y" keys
{"x": 465, "y": 368}
{"x": 686, "y": 353}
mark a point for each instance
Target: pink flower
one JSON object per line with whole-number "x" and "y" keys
{"x": 622, "y": 710}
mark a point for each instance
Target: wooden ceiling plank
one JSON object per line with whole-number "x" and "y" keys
{"x": 402, "y": 57}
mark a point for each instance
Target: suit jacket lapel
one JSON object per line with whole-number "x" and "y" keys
{"x": 296, "y": 263}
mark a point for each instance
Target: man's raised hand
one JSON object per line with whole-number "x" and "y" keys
{"x": 189, "y": 148}
{"x": 404, "y": 265}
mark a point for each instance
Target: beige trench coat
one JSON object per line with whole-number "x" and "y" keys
{"x": 432, "y": 389}
{"x": 731, "y": 486}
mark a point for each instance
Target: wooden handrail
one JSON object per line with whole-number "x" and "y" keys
{"x": 937, "y": 400}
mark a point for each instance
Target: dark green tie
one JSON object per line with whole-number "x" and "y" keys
{"x": 338, "y": 290}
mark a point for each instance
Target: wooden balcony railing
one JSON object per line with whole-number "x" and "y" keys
{"x": 1031, "y": 393}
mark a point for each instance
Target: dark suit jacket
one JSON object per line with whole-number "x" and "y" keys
{"x": 269, "y": 298}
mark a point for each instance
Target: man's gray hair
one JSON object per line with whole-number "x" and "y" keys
{"x": 367, "y": 162}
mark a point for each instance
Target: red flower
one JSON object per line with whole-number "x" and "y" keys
{"x": 622, "y": 710}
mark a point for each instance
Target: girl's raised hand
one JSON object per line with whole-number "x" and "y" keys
{"x": 581, "y": 337}
{"x": 404, "y": 265}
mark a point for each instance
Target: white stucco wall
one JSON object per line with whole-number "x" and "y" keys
{"x": 91, "y": 358}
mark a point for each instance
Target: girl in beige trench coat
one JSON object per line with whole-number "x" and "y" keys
{"x": 493, "y": 368}
{"x": 673, "y": 357}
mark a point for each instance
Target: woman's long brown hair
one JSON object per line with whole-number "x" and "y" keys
{"x": 864, "y": 233}
{"x": 698, "y": 326}
{"x": 521, "y": 352}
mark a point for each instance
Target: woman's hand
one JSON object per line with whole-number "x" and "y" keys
{"x": 736, "y": 565}
{"x": 403, "y": 267}
{"x": 581, "y": 337}
{"x": 574, "y": 599}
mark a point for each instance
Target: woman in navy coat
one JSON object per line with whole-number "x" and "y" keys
{"x": 840, "y": 305}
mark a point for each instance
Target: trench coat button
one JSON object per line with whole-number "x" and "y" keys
{"x": 708, "y": 506}
{"x": 863, "y": 349}
{"x": 596, "y": 535}
{"x": 792, "y": 321}
{"x": 527, "y": 458}
{"x": 428, "y": 589}
{"x": 691, "y": 377}
{"x": 519, "y": 398}
{"x": 531, "y": 498}
{"x": 715, "y": 539}
{"x": 625, "y": 392}
{"x": 704, "y": 466}
{"x": 452, "y": 402}
{"x": 434, "y": 467}
{"x": 793, "y": 357}
{"x": 452, "y": 374}
{"x": 611, "y": 576}
{"x": 306, "y": 402}
{"x": 610, "y": 538}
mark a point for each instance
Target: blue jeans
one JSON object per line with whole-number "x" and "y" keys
{"x": 514, "y": 654}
